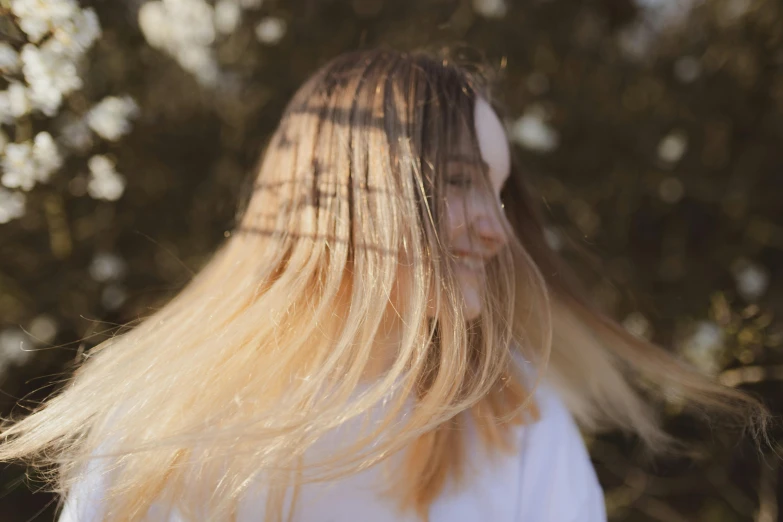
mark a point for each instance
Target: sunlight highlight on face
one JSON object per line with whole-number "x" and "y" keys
{"x": 475, "y": 231}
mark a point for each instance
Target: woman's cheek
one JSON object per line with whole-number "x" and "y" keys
{"x": 455, "y": 218}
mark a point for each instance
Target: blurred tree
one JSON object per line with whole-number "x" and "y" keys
{"x": 650, "y": 129}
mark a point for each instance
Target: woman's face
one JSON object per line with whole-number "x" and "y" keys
{"x": 475, "y": 232}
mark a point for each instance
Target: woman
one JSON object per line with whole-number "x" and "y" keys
{"x": 379, "y": 339}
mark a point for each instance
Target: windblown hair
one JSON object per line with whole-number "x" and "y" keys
{"x": 268, "y": 349}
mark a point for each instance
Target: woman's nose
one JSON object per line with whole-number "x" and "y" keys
{"x": 489, "y": 230}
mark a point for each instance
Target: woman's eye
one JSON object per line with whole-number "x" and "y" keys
{"x": 461, "y": 181}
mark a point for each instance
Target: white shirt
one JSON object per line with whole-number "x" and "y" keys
{"x": 550, "y": 479}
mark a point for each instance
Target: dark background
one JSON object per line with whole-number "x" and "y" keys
{"x": 687, "y": 245}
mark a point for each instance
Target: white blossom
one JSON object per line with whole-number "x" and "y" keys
{"x": 12, "y": 205}
{"x": 153, "y": 24}
{"x": 15, "y": 346}
{"x": 14, "y": 102}
{"x": 638, "y": 325}
{"x": 533, "y": 132}
{"x": 185, "y": 30}
{"x": 672, "y": 147}
{"x": 43, "y": 329}
{"x": 76, "y": 35}
{"x": 200, "y": 62}
{"x": 19, "y": 99}
{"x": 655, "y": 19}
{"x": 38, "y": 17}
{"x": 5, "y": 108}
{"x": 25, "y": 164}
{"x": 59, "y": 33}
{"x": 192, "y": 21}
{"x": 704, "y": 346}
{"x": 228, "y": 13}
{"x": 113, "y": 296}
{"x": 490, "y": 8}
{"x": 110, "y": 118}
{"x": 665, "y": 13}
{"x": 74, "y": 133}
{"x": 106, "y": 266}
{"x": 46, "y": 155}
{"x": 50, "y": 70}
{"x": 19, "y": 170}
{"x": 104, "y": 181}
{"x": 636, "y": 40}
{"x": 271, "y": 30}
{"x": 35, "y": 28}
{"x": 9, "y": 59}
{"x": 752, "y": 280}
{"x": 51, "y": 74}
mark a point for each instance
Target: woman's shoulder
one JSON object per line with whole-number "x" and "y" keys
{"x": 554, "y": 414}
{"x": 555, "y": 464}
{"x": 549, "y": 476}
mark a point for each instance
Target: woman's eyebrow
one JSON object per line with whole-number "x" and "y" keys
{"x": 468, "y": 160}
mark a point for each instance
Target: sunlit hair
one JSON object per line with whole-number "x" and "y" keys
{"x": 276, "y": 341}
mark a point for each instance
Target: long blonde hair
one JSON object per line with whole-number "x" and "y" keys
{"x": 264, "y": 352}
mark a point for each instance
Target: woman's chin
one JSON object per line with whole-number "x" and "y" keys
{"x": 470, "y": 283}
